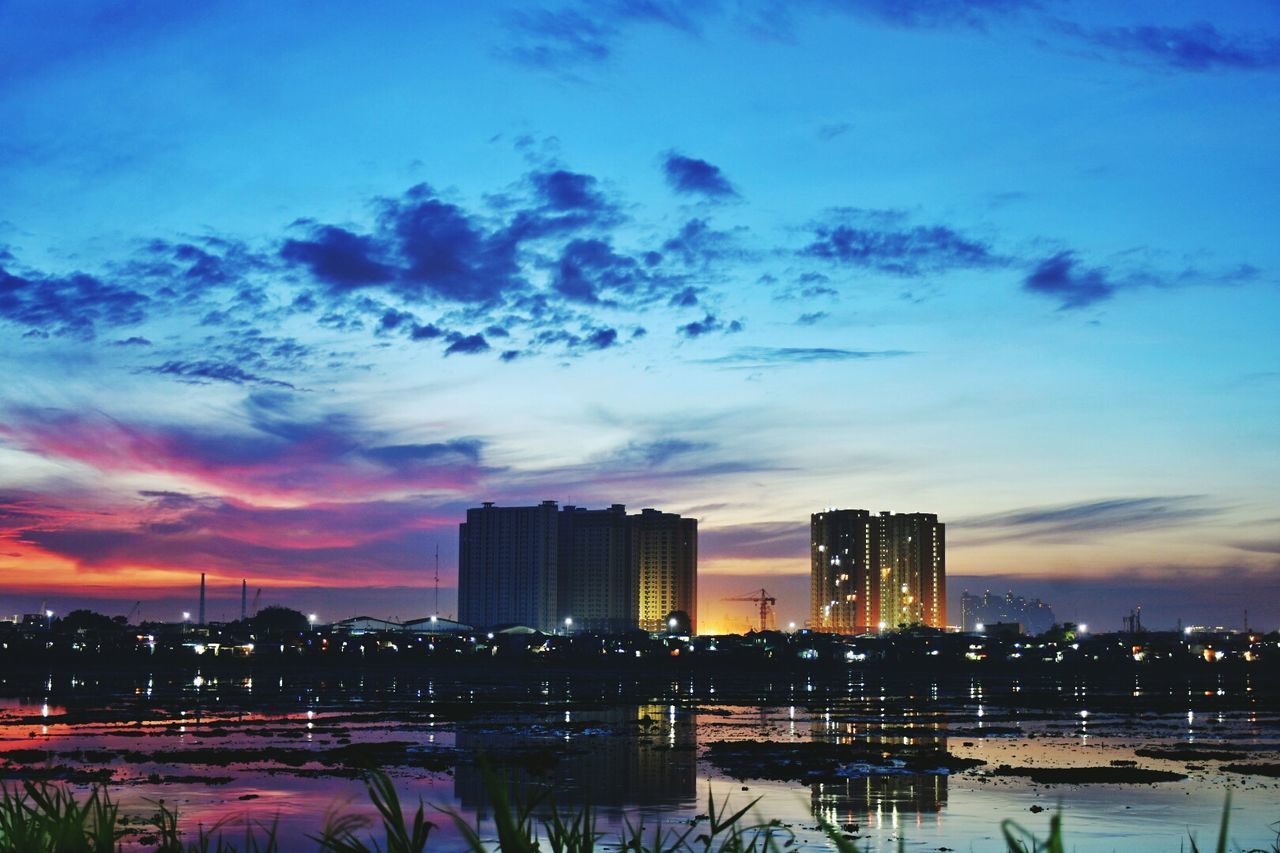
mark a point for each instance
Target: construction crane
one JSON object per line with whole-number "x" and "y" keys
{"x": 764, "y": 600}
{"x": 256, "y": 596}
{"x": 128, "y": 619}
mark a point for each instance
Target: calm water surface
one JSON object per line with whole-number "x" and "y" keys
{"x": 279, "y": 748}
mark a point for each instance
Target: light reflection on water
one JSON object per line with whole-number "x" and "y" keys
{"x": 644, "y": 759}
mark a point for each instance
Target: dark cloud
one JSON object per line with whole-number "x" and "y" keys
{"x": 338, "y": 257}
{"x": 447, "y": 251}
{"x": 602, "y": 338}
{"x": 467, "y": 345}
{"x": 1073, "y": 521}
{"x": 1259, "y": 546}
{"x": 811, "y": 318}
{"x": 884, "y": 241}
{"x": 590, "y": 271}
{"x": 662, "y": 451}
{"x": 425, "y": 333}
{"x": 134, "y": 341}
{"x": 685, "y": 298}
{"x": 564, "y": 202}
{"x": 708, "y": 324}
{"x": 553, "y": 39}
{"x": 691, "y": 176}
{"x": 404, "y": 455}
{"x": 1063, "y": 278}
{"x": 1198, "y": 47}
{"x": 423, "y": 247}
{"x": 563, "y": 190}
{"x": 752, "y": 357}
{"x": 697, "y": 244}
{"x": 392, "y": 319}
{"x": 204, "y": 372}
{"x": 193, "y": 269}
{"x": 72, "y": 305}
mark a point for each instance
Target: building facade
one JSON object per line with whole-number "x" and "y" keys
{"x": 664, "y": 549}
{"x": 597, "y": 583}
{"x": 576, "y": 569}
{"x": 509, "y": 566}
{"x": 876, "y": 572}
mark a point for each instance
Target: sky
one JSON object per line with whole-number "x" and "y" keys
{"x": 285, "y": 288}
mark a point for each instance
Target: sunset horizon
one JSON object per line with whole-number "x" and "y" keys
{"x": 284, "y": 293}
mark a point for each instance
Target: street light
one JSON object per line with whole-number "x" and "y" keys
{"x": 672, "y": 623}
{"x": 311, "y": 617}
{"x": 186, "y": 616}
{"x": 568, "y": 624}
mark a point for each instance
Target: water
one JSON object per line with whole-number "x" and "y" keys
{"x": 281, "y": 746}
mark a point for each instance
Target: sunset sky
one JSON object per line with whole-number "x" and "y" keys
{"x": 285, "y": 287}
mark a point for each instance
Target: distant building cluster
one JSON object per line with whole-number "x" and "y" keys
{"x": 876, "y": 572}
{"x": 1034, "y": 616}
{"x": 553, "y": 568}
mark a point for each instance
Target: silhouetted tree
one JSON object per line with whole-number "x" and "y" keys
{"x": 87, "y": 621}
{"x": 278, "y": 620}
{"x": 678, "y": 622}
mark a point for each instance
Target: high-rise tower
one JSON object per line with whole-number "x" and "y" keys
{"x": 664, "y": 549}
{"x": 597, "y": 580}
{"x": 602, "y": 569}
{"x": 872, "y": 572}
{"x": 508, "y": 566}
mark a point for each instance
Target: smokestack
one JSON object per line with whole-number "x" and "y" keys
{"x": 201, "y": 598}
{"x": 244, "y": 599}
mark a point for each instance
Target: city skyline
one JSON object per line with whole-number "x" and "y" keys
{"x": 284, "y": 291}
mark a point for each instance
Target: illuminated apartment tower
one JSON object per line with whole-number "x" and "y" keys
{"x": 664, "y": 549}
{"x": 870, "y": 572}
{"x": 509, "y": 565}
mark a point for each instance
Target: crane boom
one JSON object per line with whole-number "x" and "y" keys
{"x": 764, "y": 600}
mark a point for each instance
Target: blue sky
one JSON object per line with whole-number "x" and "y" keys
{"x": 284, "y": 290}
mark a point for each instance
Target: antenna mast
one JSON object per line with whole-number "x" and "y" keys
{"x": 437, "y": 610}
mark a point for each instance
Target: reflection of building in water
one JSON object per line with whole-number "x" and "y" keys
{"x": 860, "y": 800}
{"x": 611, "y": 758}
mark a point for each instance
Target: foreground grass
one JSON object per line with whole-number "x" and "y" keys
{"x": 40, "y": 816}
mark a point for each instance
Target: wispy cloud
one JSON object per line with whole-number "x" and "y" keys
{"x": 751, "y": 357}
{"x": 204, "y": 372}
{"x": 1197, "y": 47}
{"x": 1073, "y": 521}
{"x": 1065, "y": 278}
{"x": 761, "y": 540}
{"x": 884, "y": 240}
{"x": 277, "y": 449}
